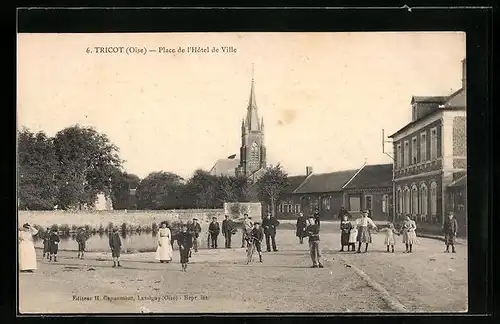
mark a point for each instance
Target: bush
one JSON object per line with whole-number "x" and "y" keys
{"x": 124, "y": 227}
{"x": 154, "y": 227}
{"x": 74, "y": 228}
{"x": 101, "y": 229}
{"x": 65, "y": 229}
{"x": 138, "y": 229}
{"x": 148, "y": 229}
{"x": 54, "y": 227}
{"x": 110, "y": 227}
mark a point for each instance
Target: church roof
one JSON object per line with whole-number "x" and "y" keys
{"x": 252, "y": 119}
{"x": 325, "y": 182}
{"x": 226, "y": 167}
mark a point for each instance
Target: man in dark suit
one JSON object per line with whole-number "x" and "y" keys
{"x": 316, "y": 217}
{"x": 269, "y": 224}
{"x": 213, "y": 232}
{"x": 301, "y": 228}
{"x": 228, "y": 230}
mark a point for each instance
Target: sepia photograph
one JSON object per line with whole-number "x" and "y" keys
{"x": 242, "y": 172}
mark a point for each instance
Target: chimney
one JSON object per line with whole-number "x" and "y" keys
{"x": 464, "y": 74}
{"x": 309, "y": 170}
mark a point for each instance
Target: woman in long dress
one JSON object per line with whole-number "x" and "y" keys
{"x": 164, "y": 250}
{"x": 409, "y": 235}
{"x": 27, "y": 255}
{"x": 364, "y": 236}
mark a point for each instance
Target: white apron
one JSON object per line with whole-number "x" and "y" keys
{"x": 27, "y": 255}
{"x": 164, "y": 250}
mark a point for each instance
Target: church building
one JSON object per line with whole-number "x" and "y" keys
{"x": 252, "y": 161}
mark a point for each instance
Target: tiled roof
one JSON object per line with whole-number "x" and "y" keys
{"x": 293, "y": 183}
{"x": 225, "y": 167}
{"x": 372, "y": 176}
{"x": 326, "y": 182}
{"x": 429, "y": 99}
{"x": 456, "y": 100}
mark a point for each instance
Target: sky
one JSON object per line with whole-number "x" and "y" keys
{"x": 324, "y": 97}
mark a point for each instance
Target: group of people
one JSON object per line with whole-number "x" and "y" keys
{"x": 253, "y": 233}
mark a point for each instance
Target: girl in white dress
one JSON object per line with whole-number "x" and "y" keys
{"x": 390, "y": 239}
{"x": 27, "y": 255}
{"x": 164, "y": 250}
{"x": 409, "y": 235}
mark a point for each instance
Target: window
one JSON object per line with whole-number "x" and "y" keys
{"x": 406, "y": 154}
{"x": 385, "y": 204}
{"x": 326, "y": 203}
{"x": 368, "y": 202}
{"x": 434, "y": 141}
{"x": 400, "y": 201}
{"x": 433, "y": 198}
{"x": 423, "y": 147}
{"x": 399, "y": 159}
{"x": 414, "y": 112}
{"x": 280, "y": 208}
{"x": 255, "y": 152}
{"x": 423, "y": 199}
{"x": 297, "y": 208}
{"x": 406, "y": 202}
{"x": 414, "y": 150}
{"x": 414, "y": 200}
{"x": 354, "y": 203}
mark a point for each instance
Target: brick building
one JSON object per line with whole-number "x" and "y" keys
{"x": 429, "y": 154}
{"x": 370, "y": 189}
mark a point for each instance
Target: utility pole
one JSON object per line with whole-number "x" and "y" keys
{"x": 383, "y": 145}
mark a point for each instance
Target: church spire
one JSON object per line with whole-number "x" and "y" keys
{"x": 252, "y": 116}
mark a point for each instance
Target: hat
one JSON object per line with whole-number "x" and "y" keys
{"x": 195, "y": 219}
{"x": 214, "y": 217}
{"x": 26, "y": 225}
{"x": 226, "y": 215}
{"x": 256, "y": 223}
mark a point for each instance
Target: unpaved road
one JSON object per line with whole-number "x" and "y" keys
{"x": 219, "y": 281}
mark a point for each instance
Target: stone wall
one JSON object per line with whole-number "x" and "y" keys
{"x": 133, "y": 218}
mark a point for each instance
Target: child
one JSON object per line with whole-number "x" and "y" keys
{"x": 345, "y": 228}
{"x": 409, "y": 235}
{"x": 46, "y": 236}
{"x": 390, "y": 239}
{"x": 185, "y": 241}
{"x": 353, "y": 236}
{"x": 81, "y": 238}
{"x": 255, "y": 238}
{"x": 313, "y": 232}
{"x": 115, "y": 243}
{"x": 53, "y": 245}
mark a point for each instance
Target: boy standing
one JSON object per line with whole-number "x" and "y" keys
{"x": 185, "y": 241}
{"x": 196, "y": 229}
{"x": 256, "y": 236}
{"x": 115, "y": 243}
{"x": 53, "y": 245}
{"x": 313, "y": 232}
{"x": 213, "y": 232}
{"x": 81, "y": 238}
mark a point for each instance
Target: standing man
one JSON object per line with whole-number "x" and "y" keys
{"x": 227, "y": 231}
{"x": 342, "y": 212}
{"x": 316, "y": 217}
{"x": 301, "y": 228}
{"x": 81, "y": 238}
{"x": 115, "y": 244}
{"x": 184, "y": 240}
{"x": 53, "y": 244}
{"x": 195, "y": 232}
{"x": 247, "y": 228}
{"x": 213, "y": 232}
{"x": 269, "y": 224}
{"x": 450, "y": 228}
{"x": 313, "y": 233}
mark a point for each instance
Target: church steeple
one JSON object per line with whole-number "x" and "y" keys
{"x": 252, "y": 121}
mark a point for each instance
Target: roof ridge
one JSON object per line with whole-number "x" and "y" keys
{"x": 303, "y": 181}
{"x": 354, "y": 176}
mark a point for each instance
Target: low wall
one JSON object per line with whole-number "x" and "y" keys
{"x": 236, "y": 210}
{"x": 132, "y": 217}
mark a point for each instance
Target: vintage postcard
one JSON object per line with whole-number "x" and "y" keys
{"x": 242, "y": 172}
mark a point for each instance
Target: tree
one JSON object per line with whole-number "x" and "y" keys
{"x": 121, "y": 183}
{"x": 203, "y": 190}
{"x": 234, "y": 189}
{"x": 160, "y": 190}
{"x": 86, "y": 161}
{"x": 271, "y": 186}
{"x": 37, "y": 167}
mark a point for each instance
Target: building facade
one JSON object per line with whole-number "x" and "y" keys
{"x": 429, "y": 154}
{"x": 371, "y": 190}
